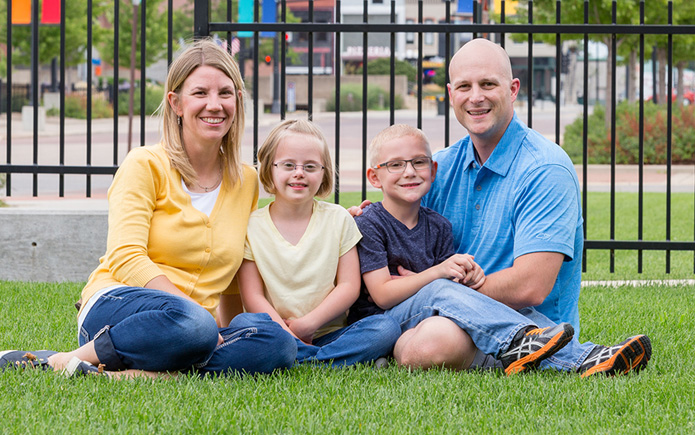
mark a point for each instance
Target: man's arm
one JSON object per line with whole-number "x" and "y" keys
{"x": 527, "y": 283}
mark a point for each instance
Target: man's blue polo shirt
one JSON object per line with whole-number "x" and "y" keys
{"x": 524, "y": 199}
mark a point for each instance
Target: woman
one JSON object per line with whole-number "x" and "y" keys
{"x": 178, "y": 213}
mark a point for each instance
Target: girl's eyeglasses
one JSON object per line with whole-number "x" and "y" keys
{"x": 309, "y": 168}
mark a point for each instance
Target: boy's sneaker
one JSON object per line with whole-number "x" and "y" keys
{"x": 531, "y": 347}
{"x": 77, "y": 367}
{"x": 630, "y": 355}
{"x": 21, "y": 359}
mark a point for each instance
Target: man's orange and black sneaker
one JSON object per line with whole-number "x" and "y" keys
{"x": 531, "y": 347}
{"x": 631, "y": 355}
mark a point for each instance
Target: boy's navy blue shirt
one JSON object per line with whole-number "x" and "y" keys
{"x": 388, "y": 242}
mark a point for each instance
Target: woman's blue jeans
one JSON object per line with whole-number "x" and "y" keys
{"x": 137, "y": 328}
{"x": 490, "y": 324}
{"x": 363, "y": 341}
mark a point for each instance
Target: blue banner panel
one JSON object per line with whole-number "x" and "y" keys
{"x": 269, "y": 15}
{"x": 465, "y": 7}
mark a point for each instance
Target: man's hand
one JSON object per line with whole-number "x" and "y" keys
{"x": 356, "y": 210}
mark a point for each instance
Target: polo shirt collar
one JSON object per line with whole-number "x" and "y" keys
{"x": 506, "y": 150}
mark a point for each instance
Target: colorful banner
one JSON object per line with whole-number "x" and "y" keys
{"x": 50, "y": 12}
{"x": 245, "y": 16}
{"x": 21, "y": 11}
{"x": 270, "y": 10}
{"x": 509, "y": 6}
{"x": 465, "y": 7}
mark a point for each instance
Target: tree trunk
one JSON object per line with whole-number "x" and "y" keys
{"x": 662, "y": 92}
{"x": 632, "y": 89}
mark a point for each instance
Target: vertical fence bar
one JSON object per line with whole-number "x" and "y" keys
{"x": 8, "y": 114}
{"x": 89, "y": 95}
{"x": 447, "y": 60}
{"x": 35, "y": 90}
{"x": 558, "y": 71}
{"x": 170, "y": 32}
{"x": 392, "y": 62}
{"x": 585, "y": 131}
{"x": 310, "y": 82}
{"x": 336, "y": 73}
{"x": 669, "y": 124}
{"x": 614, "y": 54}
{"x": 61, "y": 134}
{"x": 283, "y": 62}
{"x": 143, "y": 72}
{"x": 115, "y": 91}
{"x": 255, "y": 83}
{"x": 365, "y": 20}
{"x": 640, "y": 193}
{"x": 476, "y": 6}
{"x": 419, "y": 66}
{"x": 503, "y": 17}
{"x": 530, "y": 67}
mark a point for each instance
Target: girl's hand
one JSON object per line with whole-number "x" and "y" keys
{"x": 301, "y": 329}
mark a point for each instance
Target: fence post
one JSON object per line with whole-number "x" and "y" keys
{"x": 201, "y": 18}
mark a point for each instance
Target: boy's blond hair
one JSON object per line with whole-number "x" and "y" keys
{"x": 394, "y": 132}
{"x": 267, "y": 151}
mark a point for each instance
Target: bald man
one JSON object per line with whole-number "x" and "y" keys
{"x": 513, "y": 199}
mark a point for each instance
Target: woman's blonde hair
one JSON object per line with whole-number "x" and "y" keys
{"x": 203, "y": 52}
{"x": 267, "y": 151}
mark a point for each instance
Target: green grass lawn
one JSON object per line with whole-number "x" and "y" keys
{"x": 364, "y": 400}
{"x": 661, "y": 399}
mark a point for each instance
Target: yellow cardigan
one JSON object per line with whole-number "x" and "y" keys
{"x": 154, "y": 230}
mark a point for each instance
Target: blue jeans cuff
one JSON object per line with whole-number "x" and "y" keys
{"x": 106, "y": 352}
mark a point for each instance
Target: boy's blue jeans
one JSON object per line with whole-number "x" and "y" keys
{"x": 363, "y": 341}
{"x": 491, "y": 324}
{"x": 138, "y": 328}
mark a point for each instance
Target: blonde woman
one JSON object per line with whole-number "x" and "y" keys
{"x": 164, "y": 298}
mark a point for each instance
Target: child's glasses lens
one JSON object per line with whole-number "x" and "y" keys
{"x": 309, "y": 168}
{"x": 398, "y": 166}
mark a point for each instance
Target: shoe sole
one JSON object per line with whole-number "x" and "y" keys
{"x": 41, "y": 364}
{"x": 531, "y": 361}
{"x": 633, "y": 356}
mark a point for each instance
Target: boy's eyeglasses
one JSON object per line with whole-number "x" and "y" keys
{"x": 309, "y": 168}
{"x": 398, "y": 166}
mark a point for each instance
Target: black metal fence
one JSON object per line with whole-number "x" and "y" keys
{"x": 318, "y": 31}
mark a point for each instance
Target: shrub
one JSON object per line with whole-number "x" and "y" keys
{"x": 351, "y": 99}
{"x": 627, "y": 135}
{"x": 153, "y": 97}
{"x": 76, "y": 107}
{"x": 382, "y": 66}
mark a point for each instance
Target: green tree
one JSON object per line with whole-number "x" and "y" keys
{"x": 600, "y": 12}
{"x": 49, "y": 36}
{"x": 155, "y": 32}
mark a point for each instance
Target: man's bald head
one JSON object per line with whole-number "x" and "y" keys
{"x": 482, "y": 49}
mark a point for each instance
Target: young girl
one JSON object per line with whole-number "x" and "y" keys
{"x": 300, "y": 262}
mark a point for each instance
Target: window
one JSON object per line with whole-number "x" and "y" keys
{"x": 409, "y": 36}
{"x": 429, "y": 37}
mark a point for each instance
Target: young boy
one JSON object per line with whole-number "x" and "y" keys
{"x": 397, "y": 233}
